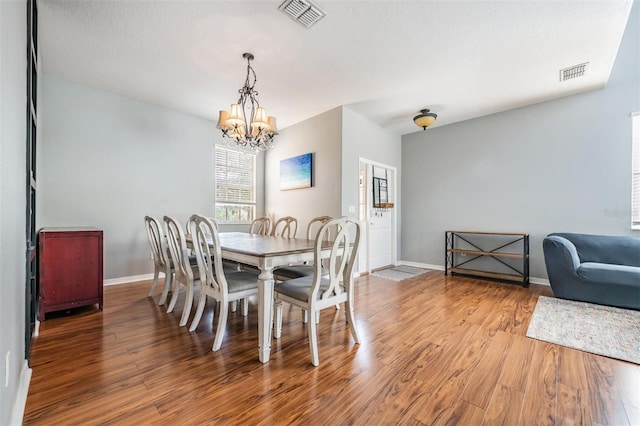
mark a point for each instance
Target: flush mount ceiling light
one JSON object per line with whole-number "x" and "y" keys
{"x": 246, "y": 124}
{"x": 425, "y": 118}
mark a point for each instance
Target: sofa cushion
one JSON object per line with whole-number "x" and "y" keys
{"x": 604, "y": 272}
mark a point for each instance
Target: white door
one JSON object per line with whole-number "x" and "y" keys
{"x": 378, "y": 244}
{"x": 380, "y": 239}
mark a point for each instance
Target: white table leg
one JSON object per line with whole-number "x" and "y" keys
{"x": 265, "y": 308}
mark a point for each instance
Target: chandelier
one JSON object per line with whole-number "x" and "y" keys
{"x": 246, "y": 124}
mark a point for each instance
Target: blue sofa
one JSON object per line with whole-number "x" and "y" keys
{"x": 594, "y": 268}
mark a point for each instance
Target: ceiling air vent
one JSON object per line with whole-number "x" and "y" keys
{"x": 302, "y": 11}
{"x": 573, "y": 72}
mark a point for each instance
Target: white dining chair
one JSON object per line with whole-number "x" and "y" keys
{"x": 215, "y": 282}
{"x": 302, "y": 270}
{"x": 307, "y": 269}
{"x": 161, "y": 260}
{"x": 260, "y": 226}
{"x": 228, "y": 266}
{"x": 285, "y": 227}
{"x": 185, "y": 274}
{"x": 319, "y": 291}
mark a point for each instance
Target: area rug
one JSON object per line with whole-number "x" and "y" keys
{"x": 597, "y": 329}
{"x": 400, "y": 272}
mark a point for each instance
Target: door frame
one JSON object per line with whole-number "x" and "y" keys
{"x": 365, "y": 268}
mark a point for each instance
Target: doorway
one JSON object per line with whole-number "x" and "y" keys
{"x": 378, "y": 214}
{"x": 31, "y": 261}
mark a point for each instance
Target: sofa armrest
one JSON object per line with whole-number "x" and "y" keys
{"x": 561, "y": 252}
{"x": 562, "y": 262}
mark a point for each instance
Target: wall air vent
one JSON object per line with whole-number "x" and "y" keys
{"x": 302, "y": 11}
{"x": 573, "y": 72}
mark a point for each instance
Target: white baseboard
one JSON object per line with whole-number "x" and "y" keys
{"x": 532, "y": 280}
{"x": 421, "y": 265}
{"x": 541, "y": 281}
{"x": 125, "y": 280}
{"x": 20, "y": 403}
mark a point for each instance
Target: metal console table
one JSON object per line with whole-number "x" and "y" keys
{"x": 510, "y": 245}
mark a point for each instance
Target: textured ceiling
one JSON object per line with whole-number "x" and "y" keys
{"x": 385, "y": 59}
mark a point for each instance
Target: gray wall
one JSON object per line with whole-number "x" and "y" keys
{"x": 363, "y": 138}
{"x": 558, "y": 166}
{"x": 13, "y": 81}
{"x": 107, "y": 161}
{"x": 320, "y": 135}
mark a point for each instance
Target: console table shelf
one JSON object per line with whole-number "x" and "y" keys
{"x": 463, "y": 247}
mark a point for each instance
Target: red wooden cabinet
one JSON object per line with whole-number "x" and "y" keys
{"x": 70, "y": 268}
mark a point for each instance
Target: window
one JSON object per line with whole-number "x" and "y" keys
{"x": 635, "y": 172}
{"x": 235, "y": 175}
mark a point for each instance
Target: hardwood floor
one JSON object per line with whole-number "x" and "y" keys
{"x": 435, "y": 350}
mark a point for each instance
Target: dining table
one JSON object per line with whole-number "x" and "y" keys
{"x": 266, "y": 253}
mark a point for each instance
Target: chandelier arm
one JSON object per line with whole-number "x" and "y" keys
{"x": 247, "y": 123}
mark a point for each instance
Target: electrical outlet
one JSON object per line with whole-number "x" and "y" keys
{"x": 7, "y": 364}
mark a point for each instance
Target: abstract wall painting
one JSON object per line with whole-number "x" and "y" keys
{"x": 296, "y": 172}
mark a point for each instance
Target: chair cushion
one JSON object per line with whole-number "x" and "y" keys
{"x": 240, "y": 281}
{"x": 192, "y": 261}
{"x": 299, "y": 288}
{"x": 297, "y": 271}
{"x": 228, "y": 268}
{"x": 294, "y": 271}
{"x": 196, "y": 272}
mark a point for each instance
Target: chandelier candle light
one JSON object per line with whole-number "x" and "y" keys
{"x": 246, "y": 124}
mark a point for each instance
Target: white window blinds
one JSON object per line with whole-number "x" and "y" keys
{"x": 635, "y": 172}
{"x": 235, "y": 183}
